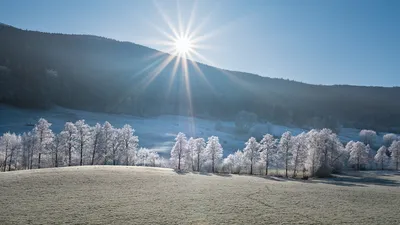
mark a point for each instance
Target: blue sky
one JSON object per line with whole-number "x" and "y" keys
{"x": 320, "y": 42}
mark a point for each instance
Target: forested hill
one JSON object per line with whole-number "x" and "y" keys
{"x": 99, "y": 74}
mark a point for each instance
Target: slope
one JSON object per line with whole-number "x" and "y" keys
{"x": 39, "y": 70}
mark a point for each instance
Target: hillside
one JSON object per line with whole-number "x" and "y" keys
{"x": 140, "y": 195}
{"x": 40, "y": 70}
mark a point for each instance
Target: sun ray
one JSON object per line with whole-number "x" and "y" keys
{"x": 174, "y": 70}
{"x": 191, "y": 19}
{"x": 197, "y": 68}
{"x": 186, "y": 77}
{"x": 163, "y": 32}
{"x": 166, "y": 19}
{"x": 159, "y": 54}
{"x": 158, "y": 70}
{"x": 180, "y": 22}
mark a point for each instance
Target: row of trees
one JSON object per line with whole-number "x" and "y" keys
{"x": 77, "y": 144}
{"x": 317, "y": 152}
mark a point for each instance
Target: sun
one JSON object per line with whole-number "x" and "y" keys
{"x": 183, "y": 45}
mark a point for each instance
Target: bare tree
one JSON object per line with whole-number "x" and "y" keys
{"x": 267, "y": 146}
{"x": 251, "y": 152}
{"x": 69, "y": 136}
{"x": 284, "y": 148}
{"x": 95, "y": 140}
{"x": 44, "y": 136}
{"x": 180, "y": 149}
{"x": 83, "y": 136}
{"x": 214, "y": 151}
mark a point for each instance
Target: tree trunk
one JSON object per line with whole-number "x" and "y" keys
{"x": 56, "y": 162}
{"x": 286, "y": 162}
{"x": 179, "y": 162}
{"x": 5, "y": 159}
{"x": 266, "y": 166}
{"x": 114, "y": 161}
{"x": 9, "y": 163}
{"x": 213, "y": 169}
{"x": 81, "y": 161}
{"x": 31, "y": 165}
{"x": 295, "y": 169}
{"x": 127, "y": 153}
{"x": 94, "y": 151}
{"x": 198, "y": 161}
{"x": 69, "y": 155}
{"x": 40, "y": 154}
{"x": 251, "y": 166}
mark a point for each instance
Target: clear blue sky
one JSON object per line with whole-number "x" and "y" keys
{"x": 314, "y": 41}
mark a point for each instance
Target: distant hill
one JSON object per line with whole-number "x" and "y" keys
{"x": 38, "y": 70}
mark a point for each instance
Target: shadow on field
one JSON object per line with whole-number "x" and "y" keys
{"x": 342, "y": 180}
{"x": 181, "y": 172}
{"x": 337, "y": 183}
{"x": 274, "y": 178}
{"x": 362, "y": 180}
{"x": 204, "y": 173}
{"x": 223, "y": 174}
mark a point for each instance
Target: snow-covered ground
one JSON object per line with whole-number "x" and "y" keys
{"x": 156, "y": 133}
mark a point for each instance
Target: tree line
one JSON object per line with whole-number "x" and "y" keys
{"x": 77, "y": 144}
{"x": 315, "y": 153}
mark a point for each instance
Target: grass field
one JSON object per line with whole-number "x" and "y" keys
{"x": 135, "y": 195}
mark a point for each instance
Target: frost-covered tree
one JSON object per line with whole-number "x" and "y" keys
{"x": 332, "y": 152}
{"x": 234, "y": 162}
{"x": 44, "y": 136}
{"x": 214, "y": 151}
{"x": 190, "y": 157}
{"x": 70, "y": 140}
{"x": 349, "y": 146}
{"x": 15, "y": 151}
{"x": 107, "y": 132}
{"x": 368, "y": 137}
{"x": 284, "y": 149}
{"x": 55, "y": 148}
{"x": 395, "y": 154}
{"x": 388, "y": 139}
{"x": 115, "y": 142}
{"x": 199, "y": 150}
{"x": 153, "y": 158}
{"x": 358, "y": 155}
{"x": 267, "y": 148}
{"x": 95, "y": 141}
{"x": 142, "y": 156}
{"x": 83, "y": 137}
{"x": 179, "y": 150}
{"x": 129, "y": 144}
{"x": 251, "y": 152}
{"x": 299, "y": 152}
{"x": 9, "y": 144}
{"x": 227, "y": 163}
{"x": 5, "y": 145}
{"x": 28, "y": 146}
{"x": 325, "y": 152}
{"x": 381, "y": 158}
